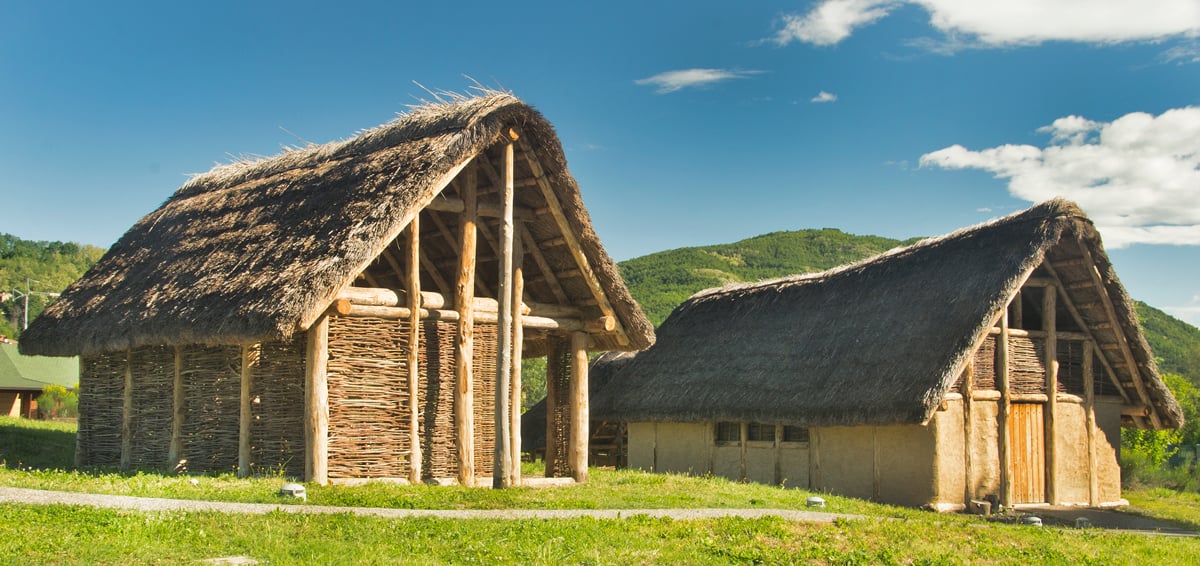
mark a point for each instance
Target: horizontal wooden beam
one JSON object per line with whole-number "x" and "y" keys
{"x": 1041, "y": 334}
{"x": 533, "y": 322}
{"x": 489, "y": 209}
{"x": 431, "y": 300}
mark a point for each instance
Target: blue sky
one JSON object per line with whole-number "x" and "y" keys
{"x": 686, "y": 123}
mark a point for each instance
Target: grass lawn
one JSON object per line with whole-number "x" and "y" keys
{"x": 83, "y": 535}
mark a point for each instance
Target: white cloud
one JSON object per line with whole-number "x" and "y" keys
{"x": 831, "y": 21}
{"x": 1183, "y": 53}
{"x": 1007, "y": 23}
{"x": 1137, "y": 177}
{"x": 672, "y": 81}
{"x": 824, "y": 97}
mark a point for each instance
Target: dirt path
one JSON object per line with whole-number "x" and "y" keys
{"x": 42, "y": 497}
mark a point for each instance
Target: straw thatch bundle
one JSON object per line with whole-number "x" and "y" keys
{"x": 877, "y": 342}
{"x": 256, "y": 251}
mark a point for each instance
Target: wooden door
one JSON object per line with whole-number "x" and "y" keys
{"x": 1026, "y": 437}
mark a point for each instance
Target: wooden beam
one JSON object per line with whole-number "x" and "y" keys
{"x": 502, "y": 460}
{"x": 316, "y": 403}
{"x": 568, "y": 233}
{"x": 436, "y": 275}
{"x": 1069, "y": 262}
{"x": 577, "y": 454}
{"x": 968, "y": 389}
{"x": 543, "y": 266}
{"x": 127, "y": 413}
{"x": 369, "y": 296}
{"x": 415, "y": 457}
{"x": 551, "y": 455}
{"x": 490, "y": 317}
{"x": 1089, "y": 412}
{"x": 395, "y": 265}
{"x": 485, "y": 209}
{"x": 1110, "y": 311}
{"x": 518, "y": 293}
{"x": 1006, "y": 488}
{"x": 1050, "y": 362}
{"x": 464, "y": 347}
{"x": 249, "y": 360}
{"x": 178, "y": 413}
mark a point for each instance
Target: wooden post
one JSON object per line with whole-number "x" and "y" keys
{"x": 316, "y": 403}
{"x": 1089, "y": 411}
{"x": 1050, "y": 326}
{"x": 178, "y": 413}
{"x": 127, "y": 413}
{"x": 578, "y": 451}
{"x": 744, "y": 437}
{"x": 502, "y": 460}
{"x": 464, "y": 347}
{"x": 249, "y": 359}
{"x": 778, "y": 454}
{"x": 518, "y": 332}
{"x": 1006, "y": 494}
{"x": 414, "y": 349}
{"x": 968, "y": 390}
{"x": 81, "y": 458}
{"x": 552, "y": 370}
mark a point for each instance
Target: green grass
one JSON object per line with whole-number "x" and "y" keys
{"x": 62, "y": 534}
{"x": 36, "y": 444}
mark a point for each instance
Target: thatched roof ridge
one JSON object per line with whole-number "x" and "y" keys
{"x": 877, "y": 342}
{"x": 256, "y": 251}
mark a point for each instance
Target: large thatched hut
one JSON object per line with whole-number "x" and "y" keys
{"x": 1000, "y": 360}
{"x": 352, "y": 310}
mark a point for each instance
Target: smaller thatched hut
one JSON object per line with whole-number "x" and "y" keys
{"x": 1000, "y": 360}
{"x": 355, "y": 310}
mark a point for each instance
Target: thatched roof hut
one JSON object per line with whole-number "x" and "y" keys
{"x": 880, "y": 341}
{"x": 358, "y": 309}
{"x": 256, "y": 251}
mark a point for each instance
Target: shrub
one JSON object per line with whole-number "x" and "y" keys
{"x": 57, "y": 402}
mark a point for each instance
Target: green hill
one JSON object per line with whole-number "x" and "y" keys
{"x": 662, "y": 280}
{"x": 1176, "y": 344}
{"x": 50, "y": 267}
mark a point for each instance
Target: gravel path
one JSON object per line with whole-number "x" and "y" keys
{"x": 43, "y": 497}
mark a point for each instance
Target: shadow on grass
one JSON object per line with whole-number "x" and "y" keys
{"x": 23, "y": 447}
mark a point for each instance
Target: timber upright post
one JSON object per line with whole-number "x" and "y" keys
{"x": 514, "y": 406}
{"x": 1006, "y": 491}
{"x": 577, "y": 453}
{"x": 502, "y": 454}
{"x": 464, "y": 348}
{"x": 414, "y": 344}
{"x": 1050, "y": 326}
{"x": 316, "y": 403}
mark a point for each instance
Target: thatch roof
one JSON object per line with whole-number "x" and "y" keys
{"x": 257, "y": 251}
{"x": 876, "y": 342}
{"x": 601, "y": 371}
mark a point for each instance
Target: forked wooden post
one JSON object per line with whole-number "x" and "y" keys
{"x": 1050, "y": 326}
{"x": 414, "y": 347}
{"x": 577, "y": 453}
{"x": 502, "y": 454}
{"x": 464, "y": 296}
{"x": 316, "y": 403}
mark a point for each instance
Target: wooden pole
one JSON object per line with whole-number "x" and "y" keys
{"x": 518, "y": 333}
{"x": 81, "y": 458}
{"x": 127, "y": 413}
{"x": 502, "y": 454}
{"x": 1089, "y": 408}
{"x": 1050, "y": 326}
{"x": 415, "y": 457}
{"x": 744, "y": 439}
{"x": 178, "y": 413}
{"x": 1006, "y": 492}
{"x": 968, "y": 390}
{"x": 553, "y": 363}
{"x": 577, "y": 454}
{"x": 316, "y": 403}
{"x": 249, "y": 356}
{"x": 464, "y": 347}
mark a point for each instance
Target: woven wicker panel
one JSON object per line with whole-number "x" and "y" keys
{"x": 153, "y": 370}
{"x": 212, "y": 392}
{"x": 1070, "y": 366}
{"x": 277, "y": 408}
{"x": 101, "y": 397}
{"x": 368, "y": 401}
{"x": 484, "y": 360}
{"x": 436, "y": 360}
{"x": 985, "y": 365}
{"x": 1026, "y": 370}
{"x": 558, "y": 369}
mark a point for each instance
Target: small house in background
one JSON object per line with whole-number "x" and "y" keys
{"x": 353, "y": 310}
{"x": 22, "y": 379}
{"x": 1000, "y": 361}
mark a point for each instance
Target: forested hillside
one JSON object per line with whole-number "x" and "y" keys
{"x": 660, "y": 281}
{"x": 49, "y": 266}
{"x": 1176, "y": 344}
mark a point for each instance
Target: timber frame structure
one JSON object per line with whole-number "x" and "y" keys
{"x": 999, "y": 361}
{"x": 356, "y": 310}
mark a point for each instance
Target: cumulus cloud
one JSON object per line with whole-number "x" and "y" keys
{"x": 672, "y": 81}
{"x": 824, "y": 97}
{"x": 1007, "y": 23}
{"x": 1137, "y": 177}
